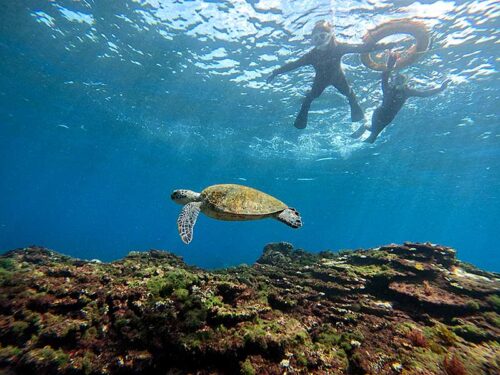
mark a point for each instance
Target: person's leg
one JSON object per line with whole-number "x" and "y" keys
{"x": 342, "y": 85}
{"x": 316, "y": 90}
{"x": 378, "y": 124}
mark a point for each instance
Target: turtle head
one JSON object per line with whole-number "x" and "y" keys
{"x": 183, "y": 196}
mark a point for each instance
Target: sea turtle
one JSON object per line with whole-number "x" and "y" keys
{"x": 230, "y": 202}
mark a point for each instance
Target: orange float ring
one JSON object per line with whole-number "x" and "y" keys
{"x": 416, "y": 29}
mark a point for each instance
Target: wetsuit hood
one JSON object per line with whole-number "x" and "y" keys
{"x": 322, "y": 26}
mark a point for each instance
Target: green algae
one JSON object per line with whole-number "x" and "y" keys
{"x": 494, "y": 301}
{"x": 194, "y": 319}
{"x": 9, "y": 352}
{"x": 278, "y": 333}
{"x": 18, "y": 328}
{"x": 473, "y": 305}
{"x": 440, "y": 335}
{"x": 328, "y": 336}
{"x": 471, "y": 332}
{"x": 493, "y": 318}
{"x": 7, "y": 267}
{"x": 197, "y": 340}
{"x": 181, "y": 294}
{"x": 47, "y": 357}
{"x": 163, "y": 286}
{"x": 247, "y": 368}
{"x": 371, "y": 270}
{"x": 83, "y": 364}
{"x": 90, "y": 334}
{"x": 342, "y": 342}
{"x": 421, "y": 360}
{"x": 7, "y": 264}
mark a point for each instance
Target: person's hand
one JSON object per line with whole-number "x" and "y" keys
{"x": 270, "y": 78}
{"x": 391, "y": 61}
{"x": 445, "y": 84}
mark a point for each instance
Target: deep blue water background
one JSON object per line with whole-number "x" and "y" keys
{"x": 106, "y": 108}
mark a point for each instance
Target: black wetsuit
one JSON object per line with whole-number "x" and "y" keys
{"x": 394, "y": 97}
{"x": 326, "y": 63}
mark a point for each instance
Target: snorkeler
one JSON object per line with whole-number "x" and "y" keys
{"x": 325, "y": 57}
{"x": 395, "y": 95}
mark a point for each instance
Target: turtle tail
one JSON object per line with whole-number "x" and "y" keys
{"x": 291, "y": 217}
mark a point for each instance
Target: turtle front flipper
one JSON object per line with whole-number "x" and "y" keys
{"x": 187, "y": 220}
{"x": 291, "y": 217}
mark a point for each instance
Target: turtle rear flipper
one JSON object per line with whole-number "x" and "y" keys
{"x": 291, "y": 217}
{"x": 187, "y": 220}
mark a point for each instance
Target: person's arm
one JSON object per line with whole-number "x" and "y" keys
{"x": 304, "y": 60}
{"x": 391, "y": 62}
{"x": 365, "y": 48}
{"x": 385, "y": 81}
{"x": 427, "y": 93}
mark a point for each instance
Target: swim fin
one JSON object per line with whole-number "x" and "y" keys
{"x": 359, "y": 132}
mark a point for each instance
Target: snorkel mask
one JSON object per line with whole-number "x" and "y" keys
{"x": 322, "y": 34}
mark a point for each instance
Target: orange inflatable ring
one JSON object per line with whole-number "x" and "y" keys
{"x": 416, "y": 29}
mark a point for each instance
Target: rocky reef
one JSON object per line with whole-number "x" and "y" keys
{"x": 398, "y": 309}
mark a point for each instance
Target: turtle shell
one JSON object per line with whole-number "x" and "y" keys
{"x": 240, "y": 200}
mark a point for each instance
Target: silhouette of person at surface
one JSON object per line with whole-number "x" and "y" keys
{"x": 326, "y": 57}
{"x": 395, "y": 95}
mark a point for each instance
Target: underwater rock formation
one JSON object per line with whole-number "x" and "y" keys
{"x": 398, "y": 309}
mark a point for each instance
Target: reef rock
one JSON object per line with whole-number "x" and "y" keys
{"x": 399, "y": 309}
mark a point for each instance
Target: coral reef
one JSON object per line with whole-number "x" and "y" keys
{"x": 398, "y": 309}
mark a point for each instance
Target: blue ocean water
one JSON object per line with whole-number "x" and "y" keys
{"x": 107, "y": 106}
